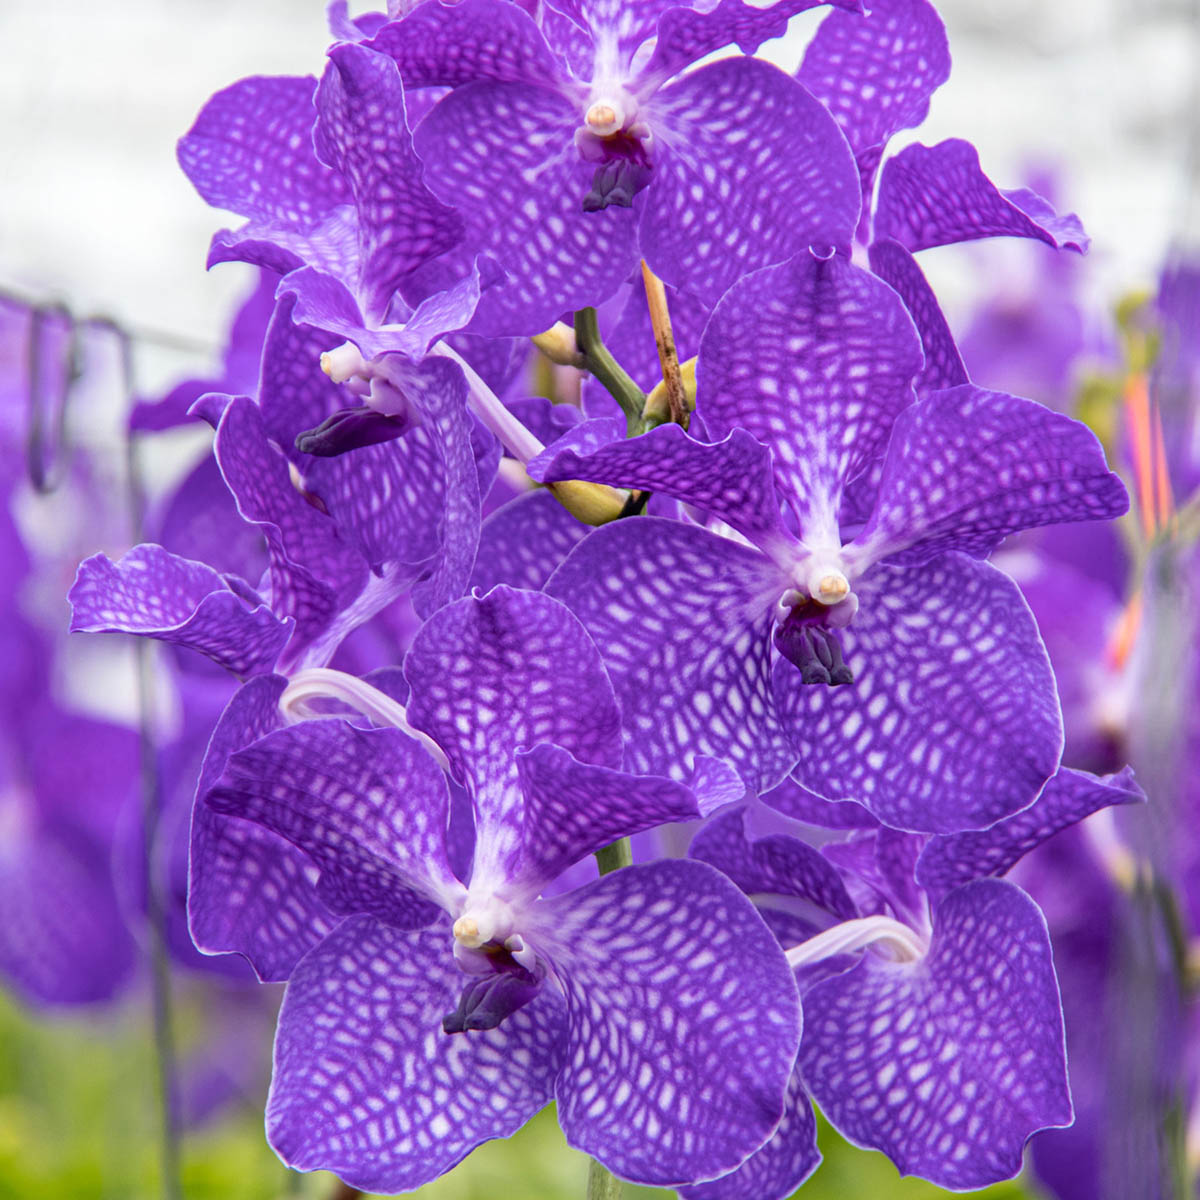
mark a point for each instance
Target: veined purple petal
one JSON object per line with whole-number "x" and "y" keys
{"x": 966, "y": 467}
{"x": 454, "y": 44}
{"x": 797, "y": 802}
{"x": 952, "y": 721}
{"x": 363, "y": 133}
{"x": 494, "y": 675}
{"x": 683, "y": 1021}
{"x": 314, "y": 574}
{"x": 504, "y": 154}
{"x": 330, "y": 246}
{"x": 732, "y": 479}
{"x": 778, "y": 864}
{"x": 815, "y": 358}
{"x": 523, "y": 542}
{"x": 686, "y": 35}
{"x": 781, "y": 1166}
{"x": 250, "y": 150}
{"x": 683, "y": 618}
{"x": 948, "y": 861}
{"x": 898, "y": 269}
{"x": 936, "y": 195}
{"x": 249, "y": 891}
{"x": 368, "y": 1086}
{"x": 876, "y": 73}
{"x": 156, "y": 594}
{"x": 440, "y": 391}
{"x": 295, "y": 394}
{"x": 352, "y": 29}
{"x": 369, "y": 806}
{"x": 950, "y": 1063}
{"x": 728, "y": 196}
{"x": 573, "y": 809}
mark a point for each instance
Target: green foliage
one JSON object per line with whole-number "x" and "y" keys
{"x": 78, "y": 1119}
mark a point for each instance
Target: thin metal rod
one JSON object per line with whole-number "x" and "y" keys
{"x": 156, "y": 928}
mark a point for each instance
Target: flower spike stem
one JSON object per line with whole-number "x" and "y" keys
{"x": 668, "y": 356}
{"x": 619, "y": 854}
{"x": 599, "y": 360}
{"x": 601, "y": 1184}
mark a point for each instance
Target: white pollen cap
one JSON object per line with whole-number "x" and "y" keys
{"x": 472, "y": 929}
{"x": 827, "y": 584}
{"x": 605, "y": 116}
{"x": 343, "y": 362}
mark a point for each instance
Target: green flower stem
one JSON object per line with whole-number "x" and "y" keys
{"x": 602, "y": 1184}
{"x": 619, "y": 854}
{"x": 599, "y": 360}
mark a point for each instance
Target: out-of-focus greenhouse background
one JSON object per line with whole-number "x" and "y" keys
{"x": 1099, "y": 100}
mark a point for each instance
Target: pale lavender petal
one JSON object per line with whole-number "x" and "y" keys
{"x": 731, "y": 480}
{"x": 504, "y": 155}
{"x": 494, "y": 675}
{"x": 952, "y": 721}
{"x": 950, "y": 1063}
{"x": 453, "y": 44}
{"x": 368, "y": 806}
{"x": 943, "y": 363}
{"x": 363, "y": 132}
{"x": 368, "y": 1086}
{"x": 1069, "y": 797}
{"x": 250, "y": 151}
{"x": 815, "y": 358}
{"x": 966, "y": 467}
{"x": 685, "y": 35}
{"x": 683, "y": 1021}
{"x": 936, "y": 195}
{"x": 250, "y": 891}
{"x": 573, "y": 809}
{"x": 781, "y": 1166}
{"x": 523, "y": 542}
{"x": 156, "y": 594}
{"x": 729, "y": 196}
{"x": 683, "y": 618}
{"x": 778, "y": 864}
{"x": 876, "y": 74}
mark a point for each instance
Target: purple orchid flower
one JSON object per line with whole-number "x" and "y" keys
{"x": 933, "y": 1028}
{"x": 347, "y": 228}
{"x": 806, "y": 370}
{"x": 337, "y": 552}
{"x": 653, "y": 1003}
{"x": 569, "y": 154}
